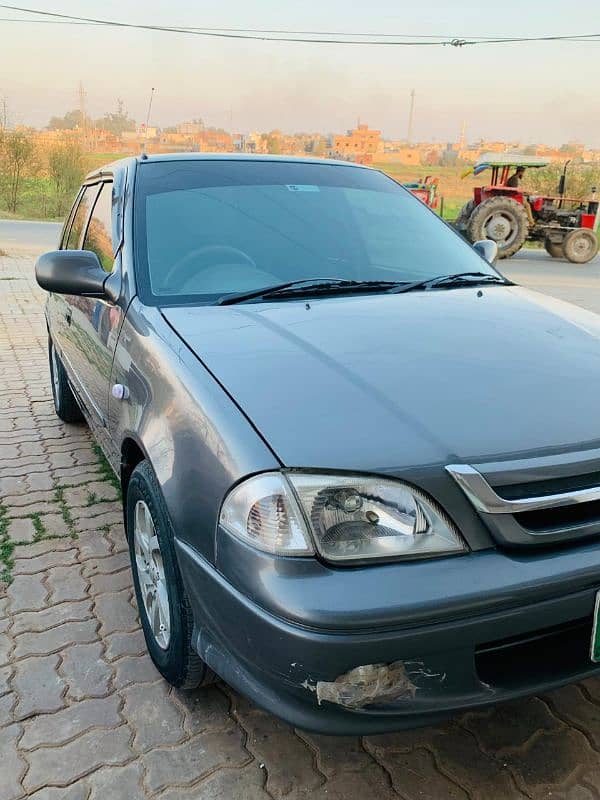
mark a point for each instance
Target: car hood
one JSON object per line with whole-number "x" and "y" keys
{"x": 396, "y": 381}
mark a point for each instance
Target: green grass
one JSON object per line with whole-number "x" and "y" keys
{"x": 106, "y": 470}
{"x": 59, "y": 497}
{"x": 6, "y": 549}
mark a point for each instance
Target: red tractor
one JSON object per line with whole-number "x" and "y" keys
{"x": 510, "y": 216}
{"x": 425, "y": 190}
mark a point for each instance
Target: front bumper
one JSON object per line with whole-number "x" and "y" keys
{"x": 493, "y": 646}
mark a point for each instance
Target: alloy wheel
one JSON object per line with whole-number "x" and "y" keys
{"x": 151, "y": 575}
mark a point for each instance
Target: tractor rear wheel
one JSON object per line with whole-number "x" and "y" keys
{"x": 554, "y": 249}
{"x": 502, "y": 220}
{"x": 580, "y": 245}
{"x": 464, "y": 216}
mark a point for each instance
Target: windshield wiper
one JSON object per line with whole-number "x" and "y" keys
{"x": 450, "y": 281}
{"x": 305, "y": 287}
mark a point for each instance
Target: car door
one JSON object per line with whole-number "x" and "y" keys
{"x": 60, "y": 307}
{"x": 93, "y": 323}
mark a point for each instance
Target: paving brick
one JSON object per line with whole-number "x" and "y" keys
{"x": 44, "y": 507}
{"x": 186, "y": 763}
{"x": 115, "y": 612}
{"x": 85, "y": 455}
{"x": 234, "y": 784}
{"x": 104, "y": 566}
{"x": 11, "y": 486}
{"x": 135, "y": 669}
{"x": 55, "y": 525}
{"x": 56, "y": 460}
{"x": 56, "y": 558}
{"x": 156, "y": 720}
{"x": 288, "y": 760}
{"x": 93, "y": 544}
{"x": 21, "y": 530}
{"x": 510, "y": 724}
{"x": 204, "y": 709}
{"x": 5, "y": 673}
{"x": 54, "y": 729}
{"x": 38, "y": 686}
{"x": 24, "y": 500}
{"x": 40, "y": 481}
{"x": 550, "y": 761}
{"x": 74, "y": 476}
{"x": 27, "y": 593}
{"x": 113, "y": 582}
{"x": 90, "y": 495}
{"x": 457, "y": 756}
{"x": 350, "y": 770}
{"x": 55, "y": 639}
{"x": 415, "y": 776}
{"x": 87, "y": 752}
{"x": 118, "y": 783}
{"x": 66, "y": 583}
{"x": 574, "y": 708}
{"x": 85, "y": 671}
{"x": 12, "y": 764}
{"x": 50, "y": 617}
{"x": 77, "y": 791}
{"x": 42, "y": 547}
{"x": 7, "y": 704}
{"x": 123, "y": 644}
{"x": 116, "y": 536}
{"x": 95, "y": 523}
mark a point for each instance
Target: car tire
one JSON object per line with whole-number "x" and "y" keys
{"x": 554, "y": 249}
{"x": 496, "y": 216}
{"x": 65, "y": 404}
{"x": 580, "y": 245}
{"x": 165, "y": 613}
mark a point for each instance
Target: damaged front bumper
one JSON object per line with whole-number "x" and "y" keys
{"x": 472, "y": 652}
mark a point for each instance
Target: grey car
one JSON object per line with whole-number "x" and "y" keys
{"x": 360, "y": 468}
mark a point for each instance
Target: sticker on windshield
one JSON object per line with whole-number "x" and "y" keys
{"x": 302, "y": 187}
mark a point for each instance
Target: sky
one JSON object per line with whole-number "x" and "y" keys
{"x": 540, "y": 92}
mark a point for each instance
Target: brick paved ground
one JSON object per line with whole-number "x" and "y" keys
{"x": 83, "y": 713}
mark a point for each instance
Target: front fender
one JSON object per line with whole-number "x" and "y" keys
{"x": 197, "y": 440}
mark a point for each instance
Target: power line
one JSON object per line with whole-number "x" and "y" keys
{"x": 304, "y": 37}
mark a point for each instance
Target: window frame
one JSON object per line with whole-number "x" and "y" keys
{"x": 100, "y": 184}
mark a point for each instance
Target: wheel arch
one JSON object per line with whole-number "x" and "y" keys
{"x": 132, "y": 454}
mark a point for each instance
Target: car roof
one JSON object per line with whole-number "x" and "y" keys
{"x": 114, "y": 166}
{"x": 511, "y": 160}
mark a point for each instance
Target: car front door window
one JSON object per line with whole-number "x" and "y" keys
{"x": 98, "y": 237}
{"x": 80, "y": 218}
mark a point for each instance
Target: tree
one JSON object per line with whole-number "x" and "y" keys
{"x": 17, "y": 155}
{"x": 66, "y": 170}
{"x": 117, "y": 121}
{"x": 70, "y": 121}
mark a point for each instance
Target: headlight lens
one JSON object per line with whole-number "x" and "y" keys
{"x": 350, "y": 518}
{"x": 263, "y": 512}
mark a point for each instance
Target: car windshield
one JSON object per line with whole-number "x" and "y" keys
{"x": 208, "y": 228}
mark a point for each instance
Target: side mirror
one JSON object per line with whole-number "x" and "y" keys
{"x": 487, "y": 249}
{"x": 71, "y": 272}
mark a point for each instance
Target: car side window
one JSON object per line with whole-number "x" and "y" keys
{"x": 81, "y": 215}
{"x": 98, "y": 237}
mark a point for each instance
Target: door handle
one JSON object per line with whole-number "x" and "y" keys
{"x": 68, "y": 316}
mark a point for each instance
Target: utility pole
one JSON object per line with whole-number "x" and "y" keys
{"x": 82, "y": 114}
{"x": 462, "y": 141}
{"x": 148, "y": 117}
{"x": 411, "y": 116}
{"x": 4, "y": 117}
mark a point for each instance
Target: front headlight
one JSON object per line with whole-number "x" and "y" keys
{"x": 349, "y": 518}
